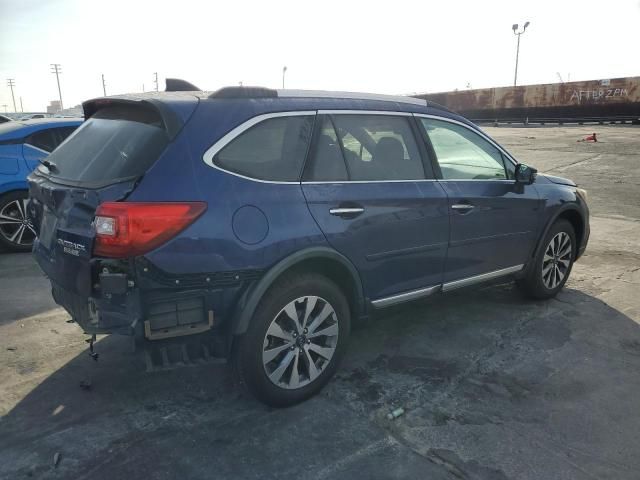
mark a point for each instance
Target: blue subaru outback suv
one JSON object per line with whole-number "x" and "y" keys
{"x": 263, "y": 223}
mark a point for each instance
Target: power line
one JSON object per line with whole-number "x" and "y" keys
{"x": 57, "y": 69}
{"x": 12, "y": 83}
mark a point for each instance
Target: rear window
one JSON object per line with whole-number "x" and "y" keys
{"x": 118, "y": 142}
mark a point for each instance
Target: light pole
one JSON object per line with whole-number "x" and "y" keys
{"x": 57, "y": 69}
{"x": 516, "y": 32}
{"x": 284, "y": 70}
{"x": 12, "y": 83}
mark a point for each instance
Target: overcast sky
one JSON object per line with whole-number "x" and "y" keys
{"x": 387, "y": 47}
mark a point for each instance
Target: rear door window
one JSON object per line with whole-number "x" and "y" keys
{"x": 273, "y": 149}
{"x": 117, "y": 143}
{"x": 327, "y": 163}
{"x": 372, "y": 147}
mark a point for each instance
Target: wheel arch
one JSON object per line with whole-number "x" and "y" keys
{"x": 573, "y": 215}
{"x": 17, "y": 186}
{"x": 323, "y": 260}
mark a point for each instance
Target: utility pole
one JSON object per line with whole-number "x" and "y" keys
{"x": 104, "y": 86}
{"x": 155, "y": 80}
{"x": 284, "y": 70}
{"x": 57, "y": 69}
{"x": 12, "y": 83}
{"x": 515, "y": 32}
{"x": 5, "y": 107}
{"x": 21, "y": 108}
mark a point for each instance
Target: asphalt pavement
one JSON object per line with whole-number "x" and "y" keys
{"x": 493, "y": 386}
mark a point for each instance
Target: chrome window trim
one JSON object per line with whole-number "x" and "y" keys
{"x": 345, "y": 182}
{"x": 481, "y": 134}
{"x": 350, "y": 95}
{"x": 463, "y": 282}
{"x": 505, "y": 180}
{"x": 213, "y": 150}
{"x": 444, "y": 287}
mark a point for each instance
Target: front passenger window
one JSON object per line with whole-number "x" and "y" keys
{"x": 463, "y": 154}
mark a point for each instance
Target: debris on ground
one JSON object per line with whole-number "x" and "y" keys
{"x": 56, "y": 459}
{"x": 589, "y": 138}
{"x": 85, "y": 384}
{"x": 393, "y": 414}
{"x": 12, "y": 349}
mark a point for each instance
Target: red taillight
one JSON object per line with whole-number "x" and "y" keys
{"x": 126, "y": 229}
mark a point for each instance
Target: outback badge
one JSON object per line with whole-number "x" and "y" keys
{"x": 71, "y": 248}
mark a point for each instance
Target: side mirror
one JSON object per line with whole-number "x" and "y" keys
{"x": 525, "y": 174}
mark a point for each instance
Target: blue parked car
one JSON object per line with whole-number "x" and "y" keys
{"x": 264, "y": 223}
{"x": 23, "y": 144}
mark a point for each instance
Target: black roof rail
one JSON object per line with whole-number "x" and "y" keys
{"x": 244, "y": 92}
{"x": 439, "y": 107}
{"x": 179, "y": 85}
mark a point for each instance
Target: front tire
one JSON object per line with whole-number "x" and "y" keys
{"x": 552, "y": 264}
{"x": 16, "y": 231}
{"x": 295, "y": 340}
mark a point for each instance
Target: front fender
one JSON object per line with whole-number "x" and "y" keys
{"x": 552, "y": 219}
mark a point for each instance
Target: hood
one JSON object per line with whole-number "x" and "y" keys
{"x": 559, "y": 180}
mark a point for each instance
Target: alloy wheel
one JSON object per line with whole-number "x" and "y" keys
{"x": 300, "y": 342}
{"x": 557, "y": 260}
{"x": 15, "y": 227}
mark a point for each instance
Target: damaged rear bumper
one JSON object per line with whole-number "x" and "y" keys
{"x": 134, "y": 297}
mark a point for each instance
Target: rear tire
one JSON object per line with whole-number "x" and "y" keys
{"x": 552, "y": 264}
{"x": 16, "y": 231}
{"x": 284, "y": 360}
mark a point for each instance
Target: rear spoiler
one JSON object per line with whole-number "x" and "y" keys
{"x": 172, "y": 122}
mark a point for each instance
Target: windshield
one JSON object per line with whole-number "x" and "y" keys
{"x": 117, "y": 142}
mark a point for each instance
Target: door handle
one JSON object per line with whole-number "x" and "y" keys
{"x": 462, "y": 207}
{"x": 346, "y": 212}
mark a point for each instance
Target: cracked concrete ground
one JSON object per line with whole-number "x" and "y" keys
{"x": 494, "y": 386}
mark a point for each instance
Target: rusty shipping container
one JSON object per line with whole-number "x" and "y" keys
{"x": 595, "y": 100}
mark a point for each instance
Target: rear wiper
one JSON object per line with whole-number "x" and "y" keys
{"x": 50, "y": 165}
